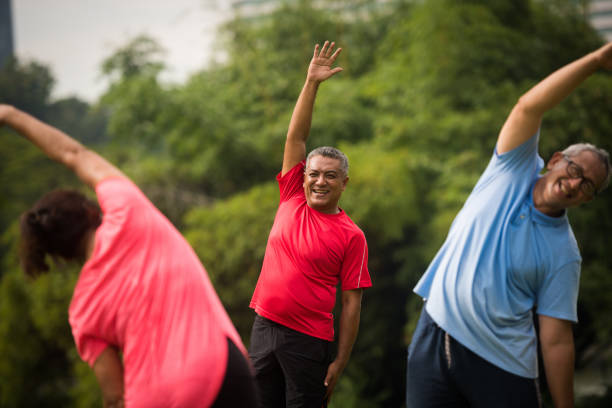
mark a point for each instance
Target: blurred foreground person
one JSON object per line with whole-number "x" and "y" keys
{"x": 510, "y": 250}
{"x": 144, "y": 314}
{"x": 313, "y": 245}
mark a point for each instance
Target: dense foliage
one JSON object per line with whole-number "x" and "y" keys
{"x": 426, "y": 87}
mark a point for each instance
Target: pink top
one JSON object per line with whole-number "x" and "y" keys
{"x": 145, "y": 291}
{"x": 307, "y": 254}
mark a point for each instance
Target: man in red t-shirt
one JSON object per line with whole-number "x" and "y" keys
{"x": 313, "y": 246}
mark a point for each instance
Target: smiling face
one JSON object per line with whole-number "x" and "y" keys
{"x": 324, "y": 182}
{"x": 556, "y": 190}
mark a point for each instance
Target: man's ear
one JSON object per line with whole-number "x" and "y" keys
{"x": 345, "y": 182}
{"x": 555, "y": 158}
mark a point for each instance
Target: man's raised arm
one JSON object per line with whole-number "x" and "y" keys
{"x": 525, "y": 118}
{"x": 319, "y": 70}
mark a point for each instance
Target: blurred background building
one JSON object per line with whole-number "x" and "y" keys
{"x": 6, "y": 31}
{"x": 600, "y": 14}
{"x": 259, "y": 8}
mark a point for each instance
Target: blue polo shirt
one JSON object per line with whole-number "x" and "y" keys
{"x": 501, "y": 258}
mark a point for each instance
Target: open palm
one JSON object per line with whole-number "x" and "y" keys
{"x": 320, "y": 66}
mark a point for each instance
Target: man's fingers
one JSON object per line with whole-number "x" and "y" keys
{"x": 335, "y": 55}
{"x": 326, "y": 52}
{"x": 324, "y": 49}
{"x": 328, "y": 392}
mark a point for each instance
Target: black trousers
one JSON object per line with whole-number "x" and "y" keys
{"x": 444, "y": 373}
{"x": 238, "y": 388}
{"x": 290, "y": 367}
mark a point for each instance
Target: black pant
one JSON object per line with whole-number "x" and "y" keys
{"x": 290, "y": 367}
{"x": 238, "y": 388}
{"x": 444, "y": 373}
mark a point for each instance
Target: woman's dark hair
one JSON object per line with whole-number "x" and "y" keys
{"x": 56, "y": 225}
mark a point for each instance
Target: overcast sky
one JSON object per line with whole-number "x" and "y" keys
{"x": 72, "y": 37}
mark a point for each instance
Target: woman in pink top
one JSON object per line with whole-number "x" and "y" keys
{"x": 144, "y": 314}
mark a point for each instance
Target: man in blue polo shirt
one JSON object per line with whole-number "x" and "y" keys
{"x": 510, "y": 250}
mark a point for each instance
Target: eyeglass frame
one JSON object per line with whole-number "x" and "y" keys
{"x": 579, "y": 173}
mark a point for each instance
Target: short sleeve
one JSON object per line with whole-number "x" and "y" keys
{"x": 558, "y": 294}
{"x": 291, "y": 184}
{"x": 89, "y": 347}
{"x": 522, "y": 151}
{"x": 513, "y": 169}
{"x": 92, "y": 326}
{"x": 354, "y": 273}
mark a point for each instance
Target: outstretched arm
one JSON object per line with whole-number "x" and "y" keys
{"x": 88, "y": 165}
{"x": 319, "y": 70}
{"x": 557, "y": 343}
{"x": 526, "y": 116}
{"x": 349, "y": 326}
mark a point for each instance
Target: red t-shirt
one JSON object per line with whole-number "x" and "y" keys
{"x": 307, "y": 254}
{"x": 145, "y": 291}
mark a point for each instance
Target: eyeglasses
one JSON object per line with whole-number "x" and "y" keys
{"x": 576, "y": 172}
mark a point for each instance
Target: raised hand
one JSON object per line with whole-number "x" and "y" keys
{"x": 320, "y": 66}
{"x": 299, "y": 127}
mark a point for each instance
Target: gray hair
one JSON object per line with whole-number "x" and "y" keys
{"x": 332, "y": 152}
{"x": 603, "y": 156}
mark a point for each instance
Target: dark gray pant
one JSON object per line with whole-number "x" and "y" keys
{"x": 444, "y": 373}
{"x": 290, "y": 367}
{"x": 238, "y": 388}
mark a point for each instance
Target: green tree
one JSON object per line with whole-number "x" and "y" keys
{"x": 426, "y": 88}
